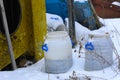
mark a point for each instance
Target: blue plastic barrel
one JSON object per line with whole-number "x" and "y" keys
{"x": 58, "y": 7}
{"x": 84, "y": 14}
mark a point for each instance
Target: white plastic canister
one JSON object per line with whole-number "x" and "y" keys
{"x": 54, "y": 22}
{"x": 99, "y": 52}
{"x": 58, "y": 52}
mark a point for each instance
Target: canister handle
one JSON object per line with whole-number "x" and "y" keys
{"x": 45, "y": 47}
{"x": 89, "y": 46}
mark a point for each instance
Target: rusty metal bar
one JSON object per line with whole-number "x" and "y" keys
{"x": 5, "y": 25}
{"x": 71, "y": 19}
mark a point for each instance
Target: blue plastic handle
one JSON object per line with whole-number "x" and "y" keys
{"x": 89, "y": 46}
{"x": 72, "y": 42}
{"x": 45, "y": 47}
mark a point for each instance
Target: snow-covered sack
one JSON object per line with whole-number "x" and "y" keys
{"x": 54, "y": 22}
{"x": 102, "y": 30}
{"x": 80, "y": 31}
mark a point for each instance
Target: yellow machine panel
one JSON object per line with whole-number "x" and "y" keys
{"x": 29, "y": 35}
{"x": 39, "y": 23}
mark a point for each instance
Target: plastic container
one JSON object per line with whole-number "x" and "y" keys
{"x": 84, "y": 14}
{"x": 58, "y": 52}
{"x": 54, "y": 22}
{"x": 99, "y": 53}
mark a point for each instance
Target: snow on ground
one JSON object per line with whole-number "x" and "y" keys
{"x": 36, "y": 71}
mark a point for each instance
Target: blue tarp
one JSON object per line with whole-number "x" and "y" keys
{"x": 58, "y": 7}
